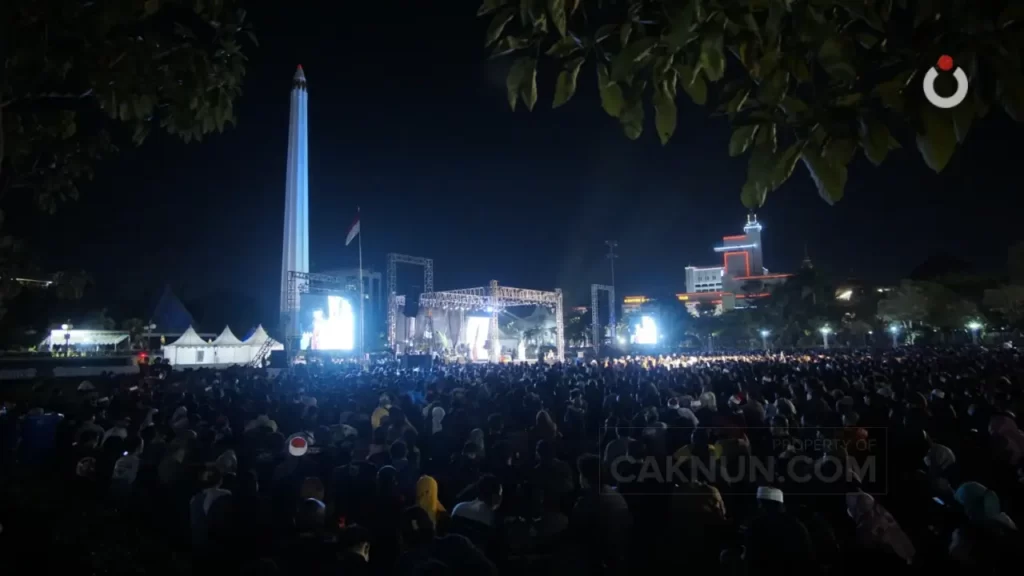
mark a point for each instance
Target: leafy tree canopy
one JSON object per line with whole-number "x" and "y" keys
{"x": 927, "y": 303}
{"x": 801, "y": 81}
{"x": 78, "y": 77}
{"x": 74, "y": 70}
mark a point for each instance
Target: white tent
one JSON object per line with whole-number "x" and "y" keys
{"x": 190, "y": 350}
{"x": 257, "y": 341}
{"x": 228, "y": 349}
{"x": 227, "y": 338}
{"x": 225, "y": 350}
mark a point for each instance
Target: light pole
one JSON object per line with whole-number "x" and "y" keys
{"x": 149, "y": 334}
{"x": 764, "y": 339}
{"x": 895, "y": 331}
{"x": 974, "y": 327}
{"x": 67, "y": 338}
{"x": 825, "y": 331}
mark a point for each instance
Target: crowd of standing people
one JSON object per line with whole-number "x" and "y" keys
{"x": 907, "y": 460}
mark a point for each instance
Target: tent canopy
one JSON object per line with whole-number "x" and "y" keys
{"x": 259, "y": 336}
{"x": 227, "y": 338}
{"x": 189, "y": 338}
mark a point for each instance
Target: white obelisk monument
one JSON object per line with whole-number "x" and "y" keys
{"x": 295, "y": 247}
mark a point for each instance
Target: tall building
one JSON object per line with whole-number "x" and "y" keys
{"x": 741, "y": 277}
{"x": 295, "y": 247}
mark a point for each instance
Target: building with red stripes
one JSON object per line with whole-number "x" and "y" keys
{"x": 742, "y": 277}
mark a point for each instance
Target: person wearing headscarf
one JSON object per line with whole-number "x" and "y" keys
{"x": 705, "y": 526}
{"x": 543, "y": 429}
{"x": 876, "y": 528}
{"x": 1007, "y": 438}
{"x": 426, "y": 498}
{"x": 985, "y": 544}
{"x": 939, "y": 460}
{"x": 982, "y": 506}
{"x": 437, "y": 415}
{"x": 381, "y": 411}
{"x": 476, "y": 436}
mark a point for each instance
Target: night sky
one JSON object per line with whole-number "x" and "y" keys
{"x": 408, "y": 119}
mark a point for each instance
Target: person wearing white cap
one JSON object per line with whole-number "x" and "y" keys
{"x": 770, "y": 494}
{"x": 777, "y": 542}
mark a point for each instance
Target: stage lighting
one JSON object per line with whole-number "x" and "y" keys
{"x": 646, "y": 331}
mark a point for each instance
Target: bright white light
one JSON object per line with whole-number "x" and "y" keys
{"x": 621, "y": 340}
{"x": 894, "y": 328}
{"x": 477, "y": 328}
{"x": 845, "y": 295}
{"x": 335, "y": 330}
{"x": 646, "y": 331}
{"x": 64, "y": 326}
{"x": 738, "y": 247}
{"x": 765, "y": 333}
{"x": 974, "y": 326}
{"x": 825, "y": 330}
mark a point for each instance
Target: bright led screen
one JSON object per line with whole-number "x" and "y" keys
{"x": 476, "y": 336}
{"x": 327, "y": 323}
{"x": 646, "y": 331}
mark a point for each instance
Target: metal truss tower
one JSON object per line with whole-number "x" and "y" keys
{"x": 595, "y": 311}
{"x": 428, "y": 286}
{"x": 493, "y": 299}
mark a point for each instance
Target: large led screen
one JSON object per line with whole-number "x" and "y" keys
{"x": 476, "y": 337}
{"x": 327, "y": 323}
{"x": 646, "y": 332}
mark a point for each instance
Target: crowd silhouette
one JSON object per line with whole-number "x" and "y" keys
{"x": 803, "y": 463}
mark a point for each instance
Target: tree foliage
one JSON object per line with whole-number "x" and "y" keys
{"x": 80, "y": 77}
{"x": 813, "y": 82}
{"x": 927, "y": 304}
{"x": 76, "y": 74}
{"x": 1008, "y": 301}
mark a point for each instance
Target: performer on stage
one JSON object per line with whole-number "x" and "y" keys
{"x": 318, "y": 326}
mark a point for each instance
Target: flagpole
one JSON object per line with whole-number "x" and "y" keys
{"x": 362, "y": 299}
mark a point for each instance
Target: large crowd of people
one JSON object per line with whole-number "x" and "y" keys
{"x": 908, "y": 460}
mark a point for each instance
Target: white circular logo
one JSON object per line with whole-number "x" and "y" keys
{"x": 945, "y": 64}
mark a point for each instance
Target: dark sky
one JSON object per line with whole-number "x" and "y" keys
{"x": 408, "y": 119}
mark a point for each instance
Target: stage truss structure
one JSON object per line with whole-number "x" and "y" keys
{"x": 308, "y": 283}
{"x": 595, "y": 312}
{"x": 492, "y": 299}
{"x": 393, "y": 298}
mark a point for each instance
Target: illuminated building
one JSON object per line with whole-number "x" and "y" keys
{"x": 741, "y": 278}
{"x": 632, "y": 304}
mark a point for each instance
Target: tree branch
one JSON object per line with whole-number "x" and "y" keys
{"x": 50, "y": 96}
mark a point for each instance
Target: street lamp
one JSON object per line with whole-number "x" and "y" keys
{"x": 149, "y": 334}
{"x": 764, "y": 338}
{"x": 67, "y": 338}
{"x": 895, "y": 331}
{"x": 974, "y": 327}
{"x": 825, "y": 331}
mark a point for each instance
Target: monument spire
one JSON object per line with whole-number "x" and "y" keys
{"x": 295, "y": 247}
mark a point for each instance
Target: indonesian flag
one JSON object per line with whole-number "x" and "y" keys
{"x": 353, "y": 231}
